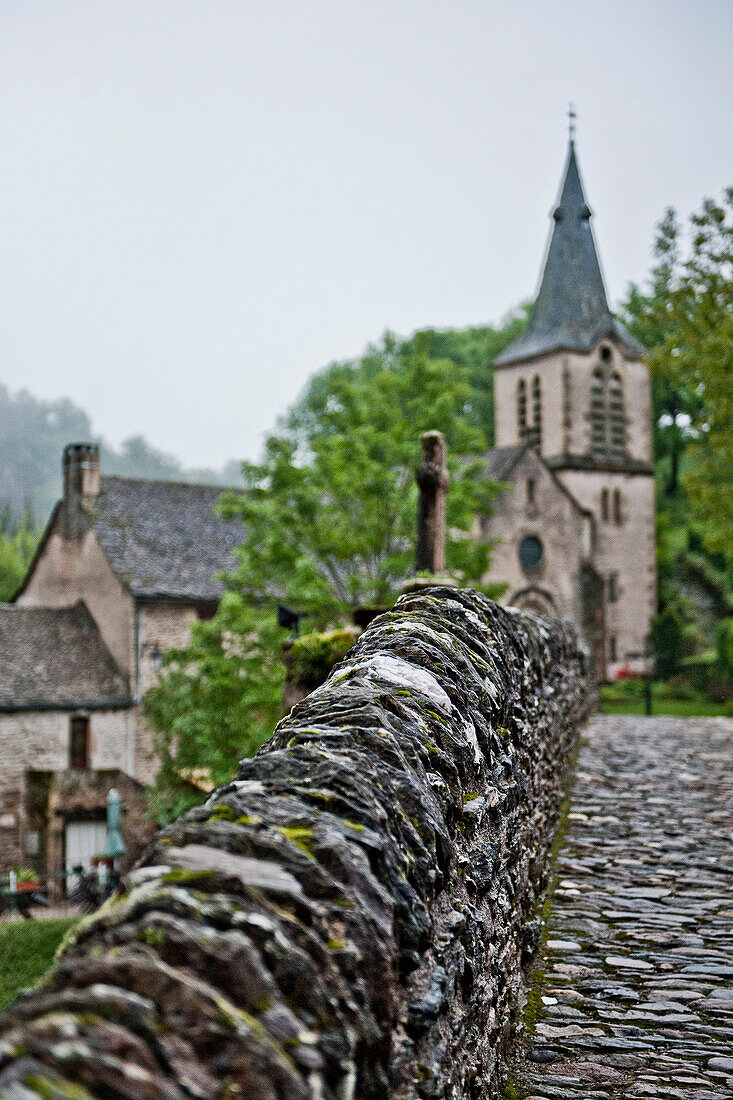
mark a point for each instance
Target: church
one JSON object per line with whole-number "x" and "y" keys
{"x": 126, "y": 565}
{"x": 575, "y": 529}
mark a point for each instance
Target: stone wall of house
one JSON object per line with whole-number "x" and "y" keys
{"x": 38, "y": 741}
{"x": 348, "y": 917}
{"x": 161, "y": 626}
{"x": 75, "y": 568}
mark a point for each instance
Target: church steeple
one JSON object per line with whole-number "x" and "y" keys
{"x": 571, "y": 311}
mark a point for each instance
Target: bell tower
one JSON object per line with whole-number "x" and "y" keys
{"x": 573, "y": 387}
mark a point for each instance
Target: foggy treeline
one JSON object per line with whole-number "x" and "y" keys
{"x": 33, "y": 433}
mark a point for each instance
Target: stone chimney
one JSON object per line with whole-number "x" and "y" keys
{"x": 81, "y": 471}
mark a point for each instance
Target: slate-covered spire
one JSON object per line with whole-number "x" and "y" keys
{"x": 571, "y": 311}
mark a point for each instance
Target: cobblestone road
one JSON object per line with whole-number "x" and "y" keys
{"x": 636, "y": 998}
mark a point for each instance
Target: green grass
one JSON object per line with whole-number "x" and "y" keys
{"x": 26, "y": 952}
{"x": 612, "y": 702}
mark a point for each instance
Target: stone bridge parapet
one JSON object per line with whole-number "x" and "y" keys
{"x": 349, "y": 917}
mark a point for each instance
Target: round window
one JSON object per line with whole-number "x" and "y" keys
{"x": 531, "y": 552}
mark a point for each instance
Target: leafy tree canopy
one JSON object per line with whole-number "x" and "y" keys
{"x": 33, "y": 434}
{"x": 686, "y": 318}
{"x": 18, "y": 541}
{"x": 217, "y": 700}
{"x": 329, "y": 514}
{"x": 329, "y": 517}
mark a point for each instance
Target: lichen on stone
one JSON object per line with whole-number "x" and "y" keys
{"x": 347, "y": 916}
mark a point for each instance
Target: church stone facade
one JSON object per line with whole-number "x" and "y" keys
{"x": 574, "y": 442}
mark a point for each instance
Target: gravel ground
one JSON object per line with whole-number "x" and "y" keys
{"x": 635, "y": 997}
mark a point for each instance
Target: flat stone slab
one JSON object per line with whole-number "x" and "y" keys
{"x": 635, "y": 990}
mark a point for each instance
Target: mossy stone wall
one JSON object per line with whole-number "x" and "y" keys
{"x": 348, "y": 917}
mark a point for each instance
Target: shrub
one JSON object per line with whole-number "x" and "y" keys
{"x": 668, "y": 640}
{"x": 724, "y": 646}
{"x": 314, "y": 655}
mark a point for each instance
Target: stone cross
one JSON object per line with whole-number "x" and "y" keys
{"x": 433, "y": 480}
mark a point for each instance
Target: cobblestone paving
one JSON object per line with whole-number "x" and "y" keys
{"x": 636, "y": 998}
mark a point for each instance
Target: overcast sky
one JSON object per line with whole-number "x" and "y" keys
{"x": 201, "y": 203}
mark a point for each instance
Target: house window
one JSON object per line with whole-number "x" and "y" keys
{"x": 612, "y": 653}
{"x": 612, "y": 587}
{"x": 206, "y": 611}
{"x": 617, "y": 518}
{"x": 530, "y": 490}
{"x": 79, "y": 741}
{"x": 522, "y": 408}
{"x": 604, "y": 505}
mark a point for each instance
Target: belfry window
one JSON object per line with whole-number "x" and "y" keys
{"x": 617, "y": 516}
{"x": 522, "y": 408}
{"x": 607, "y": 415}
{"x": 598, "y": 415}
{"x": 534, "y": 431}
{"x": 605, "y": 514}
{"x": 616, "y": 419}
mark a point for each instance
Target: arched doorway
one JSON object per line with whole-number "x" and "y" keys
{"x": 535, "y": 600}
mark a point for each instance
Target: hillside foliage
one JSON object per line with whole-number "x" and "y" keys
{"x": 684, "y": 315}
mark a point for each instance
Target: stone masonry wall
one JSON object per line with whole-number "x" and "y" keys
{"x": 39, "y": 741}
{"x": 348, "y": 917}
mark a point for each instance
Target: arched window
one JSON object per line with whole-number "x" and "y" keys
{"x": 607, "y": 416}
{"x": 598, "y": 415}
{"x": 616, "y": 418}
{"x": 535, "y": 433}
{"x": 604, "y": 505}
{"x": 522, "y": 408}
{"x": 617, "y": 518}
{"x": 530, "y": 491}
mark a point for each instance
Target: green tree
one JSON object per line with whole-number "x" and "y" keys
{"x": 687, "y": 320}
{"x": 329, "y": 514}
{"x": 329, "y": 518}
{"x": 475, "y": 349}
{"x": 18, "y": 542}
{"x": 217, "y": 700}
{"x": 650, "y": 317}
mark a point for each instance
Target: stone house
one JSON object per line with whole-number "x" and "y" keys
{"x": 574, "y": 443}
{"x": 124, "y": 566}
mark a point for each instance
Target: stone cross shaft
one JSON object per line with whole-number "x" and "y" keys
{"x": 433, "y": 480}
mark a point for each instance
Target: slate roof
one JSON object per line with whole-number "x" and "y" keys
{"x": 571, "y": 311}
{"x": 162, "y": 538}
{"x": 500, "y": 461}
{"x": 55, "y": 658}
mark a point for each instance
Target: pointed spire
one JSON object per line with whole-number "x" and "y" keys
{"x": 571, "y": 311}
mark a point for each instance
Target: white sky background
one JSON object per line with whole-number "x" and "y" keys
{"x": 201, "y": 203}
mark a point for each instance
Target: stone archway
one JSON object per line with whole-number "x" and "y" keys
{"x": 536, "y": 600}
